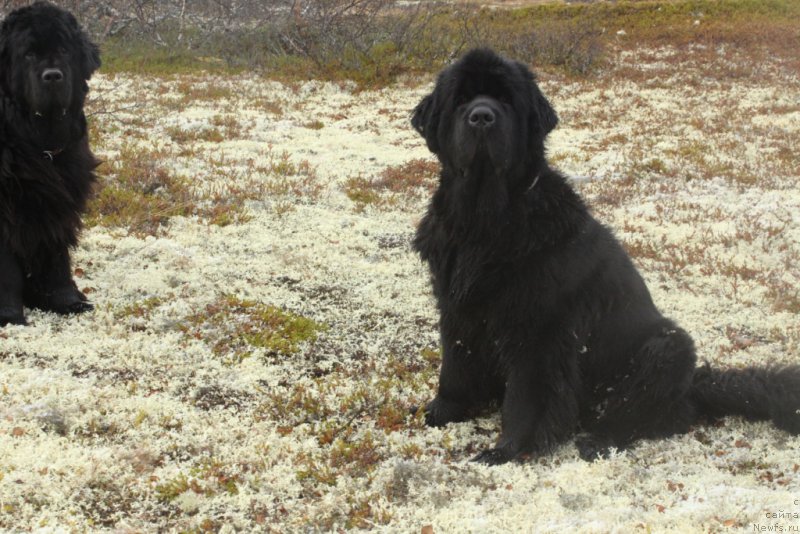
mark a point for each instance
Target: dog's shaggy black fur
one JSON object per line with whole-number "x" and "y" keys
{"x": 541, "y": 308}
{"x": 46, "y": 166}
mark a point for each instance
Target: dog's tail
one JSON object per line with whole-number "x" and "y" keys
{"x": 756, "y": 393}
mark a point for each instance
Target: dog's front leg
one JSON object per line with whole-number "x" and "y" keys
{"x": 51, "y": 286}
{"x": 540, "y": 410}
{"x": 11, "y": 280}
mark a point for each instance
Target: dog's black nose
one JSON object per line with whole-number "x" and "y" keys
{"x": 481, "y": 117}
{"x": 52, "y": 76}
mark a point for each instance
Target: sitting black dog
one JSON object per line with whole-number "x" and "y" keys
{"x": 541, "y": 308}
{"x": 46, "y": 166}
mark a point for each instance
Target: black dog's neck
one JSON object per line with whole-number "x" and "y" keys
{"x": 44, "y": 133}
{"x": 478, "y": 203}
{"x": 516, "y": 210}
{"x": 53, "y": 133}
{"x": 554, "y": 212}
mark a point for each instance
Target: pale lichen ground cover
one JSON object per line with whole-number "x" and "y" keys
{"x": 256, "y": 374}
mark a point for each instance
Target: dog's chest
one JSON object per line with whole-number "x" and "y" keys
{"x": 465, "y": 276}
{"x": 42, "y": 197}
{"x": 465, "y": 272}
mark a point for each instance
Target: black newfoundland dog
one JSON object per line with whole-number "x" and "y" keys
{"x": 541, "y": 308}
{"x": 46, "y": 167}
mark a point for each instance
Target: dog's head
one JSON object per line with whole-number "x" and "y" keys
{"x": 45, "y": 60}
{"x": 485, "y": 110}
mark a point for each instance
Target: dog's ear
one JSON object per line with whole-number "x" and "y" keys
{"x": 4, "y": 62}
{"x": 421, "y": 114}
{"x": 5, "y": 59}
{"x": 425, "y": 120}
{"x": 3, "y": 40}
{"x": 544, "y": 114}
{"x": 548, "y": 119}
{"x": 5, "y": 33}
{"x": 89, "y": 52}
{"x": 90, "y": 56}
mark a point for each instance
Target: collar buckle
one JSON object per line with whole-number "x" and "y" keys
{"x": 51, "y": 154}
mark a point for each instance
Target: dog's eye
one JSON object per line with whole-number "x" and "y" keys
{"x": 63, "y": 51}
{"x": 30, "y": 55}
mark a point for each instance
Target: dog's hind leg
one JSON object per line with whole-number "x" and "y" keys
{"x": 649, "y": 398}
{"x": 11, "y": 283}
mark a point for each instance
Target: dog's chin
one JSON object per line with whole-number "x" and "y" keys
{"x": 50, "y": 106}
{"x": 53, "y": 112}
{"x": 483, "y": 154}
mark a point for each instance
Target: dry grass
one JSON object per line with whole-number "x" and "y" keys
{"x": 381, "y": 43}
{"x": 142, "y": 192}
{"x": 395, "y": 186}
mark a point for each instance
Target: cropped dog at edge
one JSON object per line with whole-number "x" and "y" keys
{"x": 540, "y": 307}
{"x": 46, "y": 166}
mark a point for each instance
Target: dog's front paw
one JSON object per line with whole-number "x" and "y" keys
{"x": 64, "y": 301}
{"x": 496, "y": 456}
{"x": 80, "y": 307}
{"x": 439, "y": 412}
{"x": 12, "y": 316}
{"x": 591, "y": 447}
